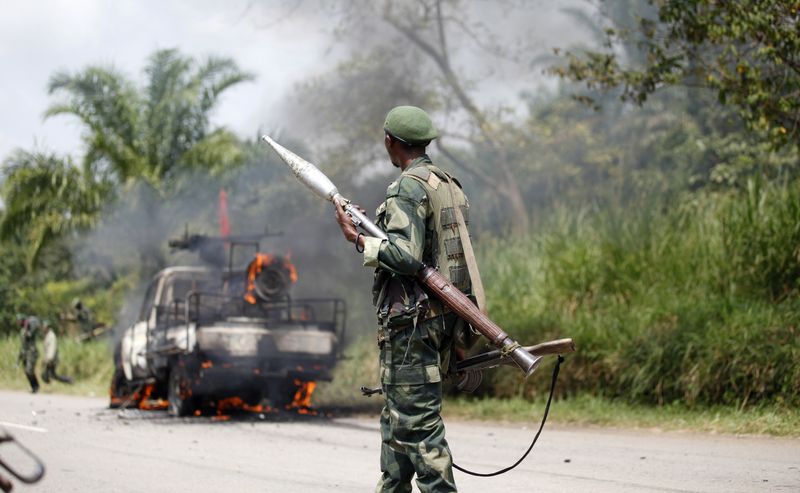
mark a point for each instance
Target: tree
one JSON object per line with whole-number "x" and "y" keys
{"x": 46, "y": 198}
{"x": 149, "y": 135}
{"x": 154, "y": 132}
{"x": 747, "y": 52}
{"x": 408, "y": 46}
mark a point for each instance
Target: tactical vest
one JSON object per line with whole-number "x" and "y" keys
{"x": 443, "y": 249}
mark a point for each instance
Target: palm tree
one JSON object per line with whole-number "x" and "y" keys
{"x": 134, "y": 135}
{"x": 154, "y": 132}
{"x": 45, "y": 198}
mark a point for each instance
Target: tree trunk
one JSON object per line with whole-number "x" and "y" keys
{"x": 507, "y": 186}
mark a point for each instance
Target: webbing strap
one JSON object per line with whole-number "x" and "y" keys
{"x": 469, "y": 253}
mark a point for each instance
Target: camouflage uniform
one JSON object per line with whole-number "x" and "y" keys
{"x": 416, "y": 336}
{"x": 28, "y": 353}
{"x": 83, "y": 316}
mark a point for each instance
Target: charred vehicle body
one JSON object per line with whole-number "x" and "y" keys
{"x": 206, "y": 334}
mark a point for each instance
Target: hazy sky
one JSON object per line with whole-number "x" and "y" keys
{"x": 38, "y": 37}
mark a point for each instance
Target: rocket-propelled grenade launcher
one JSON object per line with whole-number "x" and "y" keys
{"x": 437, "y": 285}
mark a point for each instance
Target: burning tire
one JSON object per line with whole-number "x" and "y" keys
{"x": 179, "y": 391}
{"x": 120, "y": 392}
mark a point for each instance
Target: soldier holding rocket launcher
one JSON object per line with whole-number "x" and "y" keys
{"x": 425, "y": 269}
{"x": 417, "y": 335}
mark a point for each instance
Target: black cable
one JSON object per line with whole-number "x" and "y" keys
{"x": 541, "y": 427}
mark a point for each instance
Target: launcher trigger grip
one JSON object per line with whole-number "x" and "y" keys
{"x": 367, "y": 392}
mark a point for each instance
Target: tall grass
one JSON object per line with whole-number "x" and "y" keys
{"x": 89, "y": 364}
{"x": 694, "y": 301}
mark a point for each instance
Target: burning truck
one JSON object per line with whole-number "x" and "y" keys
{"x": 218, "y": 337}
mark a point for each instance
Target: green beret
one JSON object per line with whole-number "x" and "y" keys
{"x": 410, "y": 124}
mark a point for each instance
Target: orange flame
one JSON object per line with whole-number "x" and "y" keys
{"x": 302, "y": 398}
{"x": 257, "y": 265}
{"x": 236, "y": 403}
{"x": 147, "y": 404}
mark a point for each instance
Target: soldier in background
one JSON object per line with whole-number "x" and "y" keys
{"x": 28, "y": 354}
{"x": 84, "y": 318}
{"x": 51, "y": 355}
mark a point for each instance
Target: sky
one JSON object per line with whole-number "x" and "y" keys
{"x": 39, "y": 37}
{"x": 281, "y": 45}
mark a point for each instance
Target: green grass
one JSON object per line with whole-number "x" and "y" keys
{"x": 692, "y": 301}
{"x": 584, "y": 409}
{"x": 587, "y": 410}
{"x": 90, "y": 364}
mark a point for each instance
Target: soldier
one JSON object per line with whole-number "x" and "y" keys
{"x": 51, "y": 355}
{"x": 28, "y": 354}
{"x": 84, "y": 317}
{"x": 417, "y": 336}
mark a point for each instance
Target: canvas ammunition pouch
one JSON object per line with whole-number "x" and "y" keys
{"x": 444, "y": 249}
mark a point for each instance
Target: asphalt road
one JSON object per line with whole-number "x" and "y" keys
{"x": 88, "y": 448}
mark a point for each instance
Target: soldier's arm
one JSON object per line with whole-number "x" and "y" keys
{"x": 406, "y": 209}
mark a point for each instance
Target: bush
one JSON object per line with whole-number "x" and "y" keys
{"x": 695, "y": 301}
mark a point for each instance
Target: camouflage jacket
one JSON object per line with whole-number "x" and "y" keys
{"x": 402, "y": 216}
{"x": 28, "y": 348}
{"x": 405, "y": 217}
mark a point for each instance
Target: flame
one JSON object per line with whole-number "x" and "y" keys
{"x": 302, "y": 398}
{"x": 206, "y": 364}
{"x": 236, "y": 403}
{"x": 147, "y": 404}
{"x": 257, "y": 265}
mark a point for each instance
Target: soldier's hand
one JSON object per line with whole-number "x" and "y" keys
{"x": 346, "y": 224}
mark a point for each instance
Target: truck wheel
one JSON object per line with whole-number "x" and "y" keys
{"x": 120, "y": 392}
{"x": 179, "y": 392}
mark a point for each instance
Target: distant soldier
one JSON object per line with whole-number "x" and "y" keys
{"x": 51, "y": 355}
{"x": 28, "y": 354}
{"x": 83, "y": 316}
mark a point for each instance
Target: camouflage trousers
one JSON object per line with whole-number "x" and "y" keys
{"x": 30, "y": 370}
{"x": 50, "y": 372}
{"x": 413, "y": 360}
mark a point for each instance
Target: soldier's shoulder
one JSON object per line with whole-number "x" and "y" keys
{"x": 407, "y": 187}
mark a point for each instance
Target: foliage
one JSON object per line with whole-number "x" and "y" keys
{"x": 659, "y": 306}
{"x": 761, "y": 236}
{"x": 588, "y": 410}
{"x": 149, "y": 136}
{"x": 410, "y": 62}
{"x": 747, "y": 52}
{"x": 90, "y": 364}
{"x": 46, "y": 198}
{"x": 153, "y": 132}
